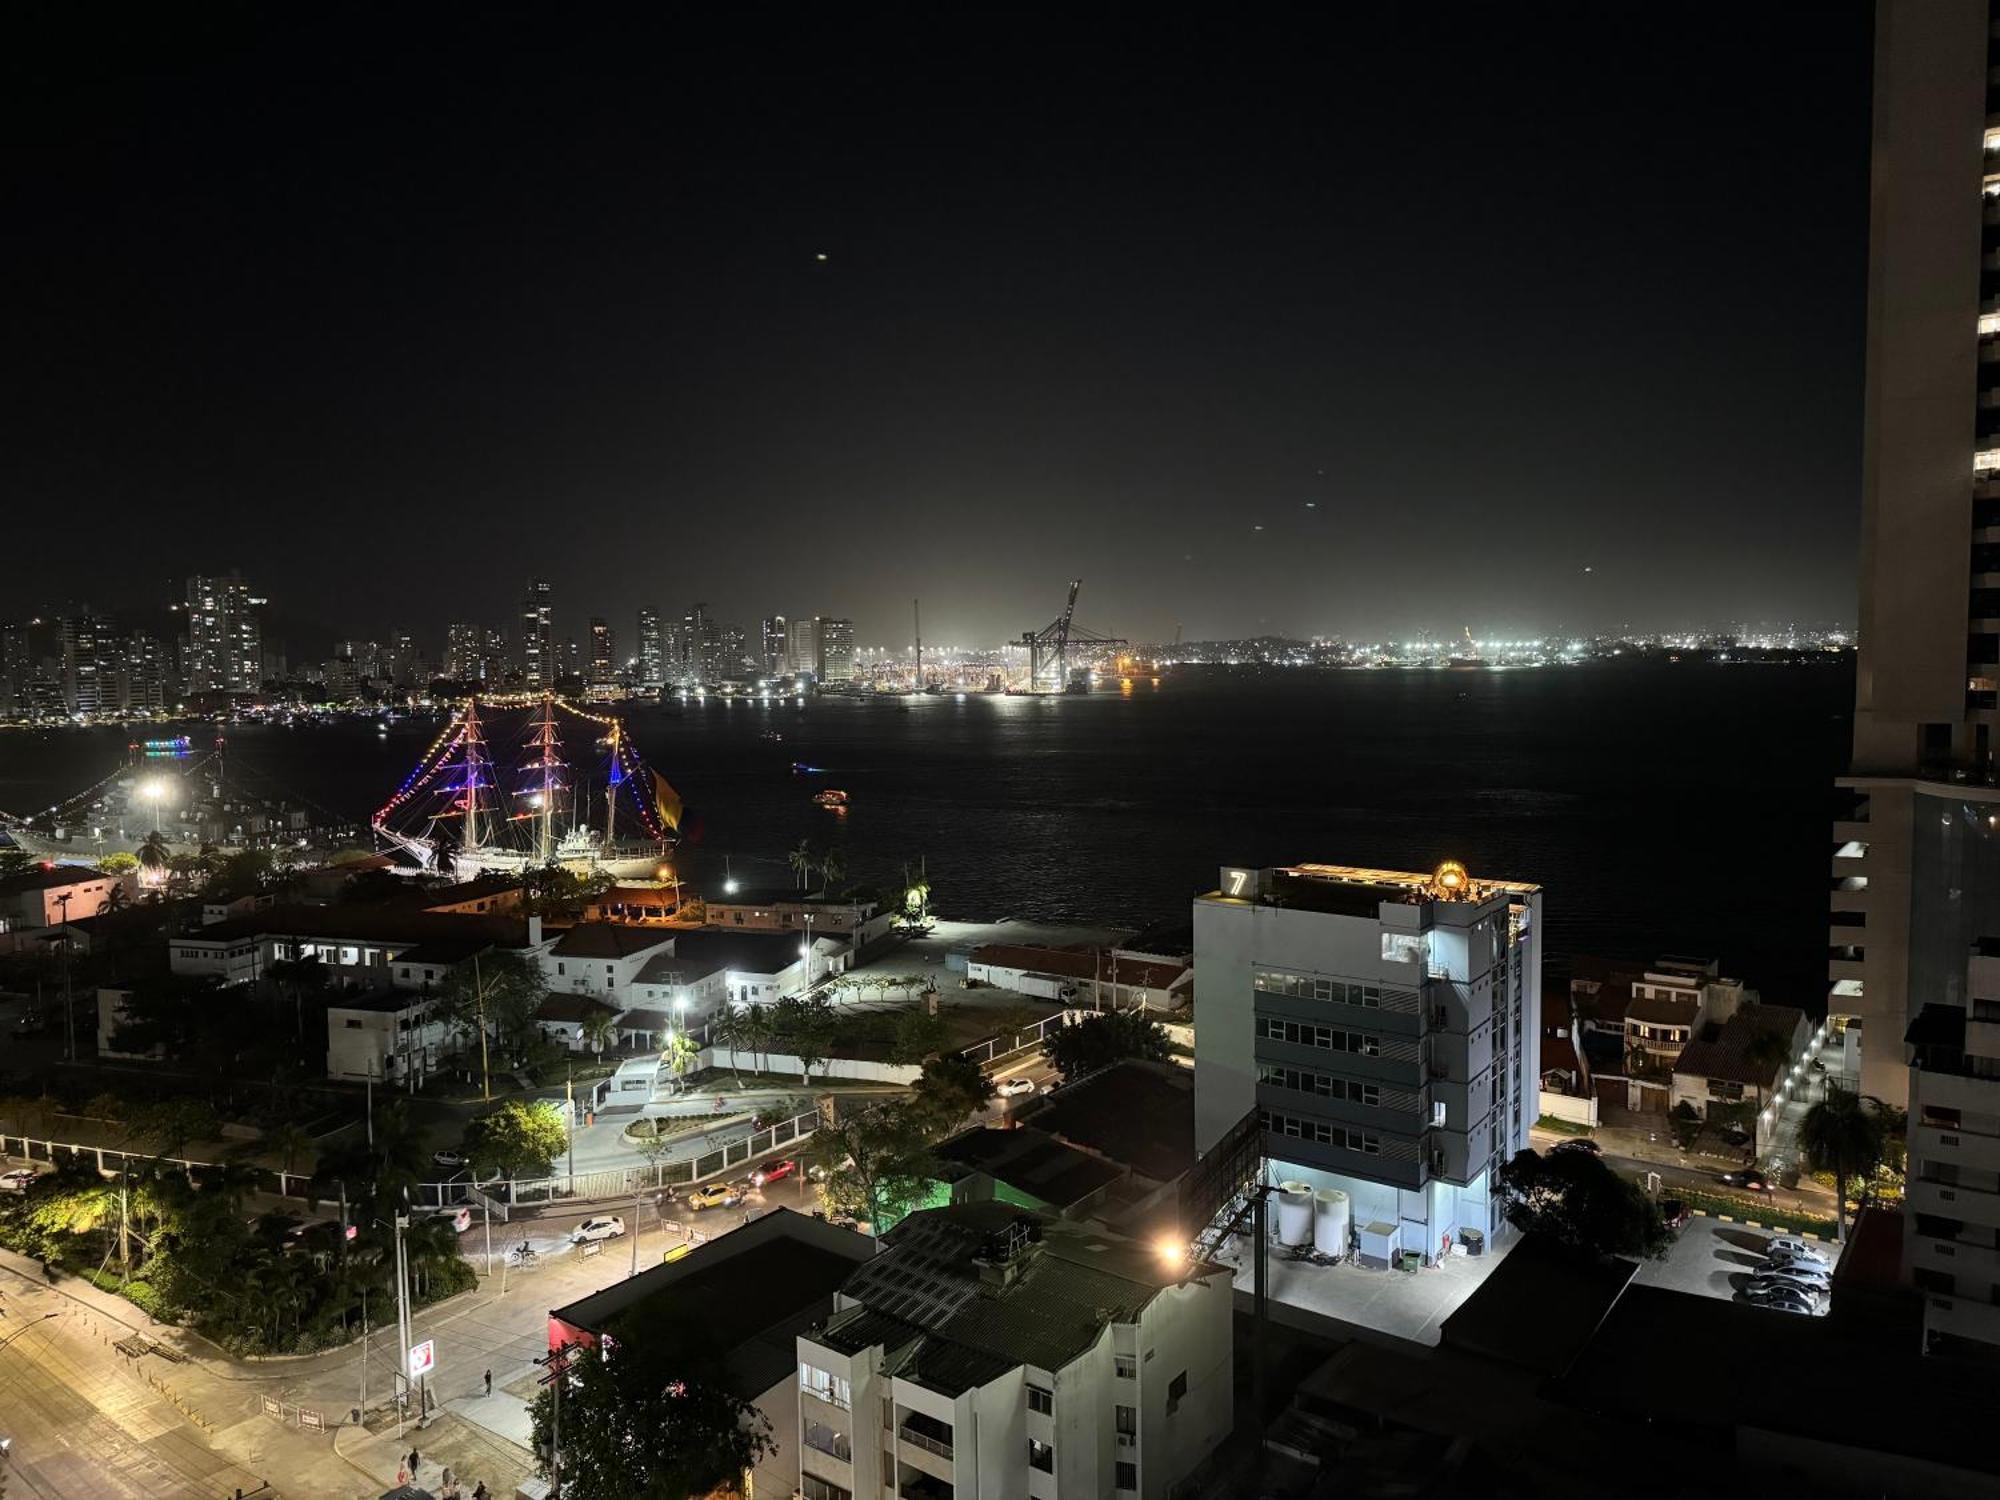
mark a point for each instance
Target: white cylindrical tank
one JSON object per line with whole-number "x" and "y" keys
{"x": 1330, "y": 1217}
{"x": 1295, "y": 1213}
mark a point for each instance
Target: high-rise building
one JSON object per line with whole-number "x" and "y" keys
{"x": 1384, "y": 1026}
{"x": 1915, "y": 901}
{"x": 464, "y": 645}
{"x": 144, "y": 672}
{"x": 225, "y": 635}
{"x": 777, "y": 655}
{"x": 538, "y": 657}
{"x": 652, "y": 664}
{"x": 802, "y": 639}
{"x": 603, "y": 652}
{"x": 403, "y": 664}
{"x": 90, "y": 664}
{"x": 834, "y": 640}
{"x": 569, "y": 659}
{"x": 704, "y": 642}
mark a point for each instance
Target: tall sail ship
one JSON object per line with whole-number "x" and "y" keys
{"x": 463, "y": 812}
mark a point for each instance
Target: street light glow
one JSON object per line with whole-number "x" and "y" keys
{"x": 1171, "y": 1251}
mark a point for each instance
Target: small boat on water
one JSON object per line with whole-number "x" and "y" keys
{"x": 833, "y": 798}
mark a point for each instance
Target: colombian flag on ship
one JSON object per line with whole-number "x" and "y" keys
{"x": 668, "y": 801}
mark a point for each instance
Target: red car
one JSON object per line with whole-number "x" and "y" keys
{"x": 774, "y": 1171}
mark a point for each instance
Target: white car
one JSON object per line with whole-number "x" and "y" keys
{"x": 608, "y": 1227}
{"x": 1791, "y": 1249}
{"x": 19, "y": 1180}
{"x": 1013, "y": 1088}
{"x": 1783, "y": 1276}
{"x": 456, "y": 1214}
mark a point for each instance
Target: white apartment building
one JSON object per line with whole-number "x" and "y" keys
{"x": 391, "y": 1036}
{"x": 1384, "y": 1024}
{"x": 990, "y": 1352}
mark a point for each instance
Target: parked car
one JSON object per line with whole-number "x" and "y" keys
{"x": 34, "y": 1023}
{"x": 458, "y": 1215}
{"x": 715, "y": 1195}
{"x": 1675, "y": 1213}
{"x": 1785, "y": 1245}
{"x": 774, "y": 1171}
{"x": 1582, "y": 1143}
{"x": 1780, "y": 1299}
{"x": 1796, "y": 1270}
{"x": 603, "y": 1227}
{"x": 1013, "y": 1088}
{"x": 1805, "y": 1286}
{"x": 19, "y": 1180}
{"x": 1752, "y": 1178}
{"x": 447, "y": 1158}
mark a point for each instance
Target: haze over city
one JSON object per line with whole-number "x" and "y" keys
{"x": 824, "y": 316}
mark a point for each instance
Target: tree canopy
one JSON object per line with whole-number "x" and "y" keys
{"x": 949, "y": 1089}
{"x": 1844, "y": 1134}
{"x": 1101, "y": 1040}
{"x": 878, "y": 1163}
{"x": 1575, "y": 1199}
{"x": 522, "y": 1140}
{"x": 650, "y": 1417}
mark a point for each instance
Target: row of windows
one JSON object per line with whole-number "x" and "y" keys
{"x": 1332, "y": 1038}
{"x": 1314, "y": 987}
{"x": 1323, "y": 1132}
{"x": 1306, "y": 1081}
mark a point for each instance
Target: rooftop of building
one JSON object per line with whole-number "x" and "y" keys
{"x": 1358, "y": 891}
{"x": 1539, "y": 1307}
{"x": 752, "y": 1290}
{"x": 1031, "y": 1162}
{"x": 969, "y": 1291}
{"x": 49, "y": 878}
{"x": 480, "y": 888}
{"x": 376, "y": 1002}
{"x": 609, "y": 940}
{"x": 744, "y": 952}
{"x": 1082, "y": 962}
{"x": 565, "y": 1006}
{"x": 367, "y": 923}
{"x": 1138, "y": 1114}
{"x": 444, "y": 950}
{"x": 1171, "y": 937}
{"x": 1658, "y": 1010}
{"x": 779, "y": 895}
{"x": 1724, "y": 1051}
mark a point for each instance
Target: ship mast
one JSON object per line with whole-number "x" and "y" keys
{"x": 549, "y": 763}
{"x": 611, "y": 791}
{"x": 475, "y": 762}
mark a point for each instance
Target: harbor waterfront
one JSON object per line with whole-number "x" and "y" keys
{"x": 1628, "y": 788}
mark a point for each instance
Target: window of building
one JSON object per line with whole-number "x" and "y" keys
{"x": 1042, "y": 1401}
{"x": 824, "y": 1439}
{"x": 1125, "y": 1476}
{"x": 1041, "y": 1456}
{"x": 1127, "y": 1418}
{"x": 1403, "y": 947}
{"x": 815, "y": 1488}
{"x": 1176, "y": 1392}
{"x": 888, "y": 1414}
{"x": 1125, "y": 1367}
{"x": 830, "y": 1388}
{"x": 353, "y": 1024}
{"x": 1325, "y": 1132}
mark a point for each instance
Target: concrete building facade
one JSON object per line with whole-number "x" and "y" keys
{"x": 1384, "y": 1024}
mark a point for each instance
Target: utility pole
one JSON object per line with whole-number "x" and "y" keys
{"x": 569, "y": 1098}
{"x": 479, "y": 1000}
{"x": 400, "y": 1222}
{"x": 371, "y": 1100}
{"x": 557, "y": 1365}
{"x": 638, "y": 1219}
{"x": 69, "y": 1021}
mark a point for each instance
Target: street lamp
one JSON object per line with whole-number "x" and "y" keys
{"x": 155, "y": 792}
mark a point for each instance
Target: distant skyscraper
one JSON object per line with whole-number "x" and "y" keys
{"x": 464, "y": 648}
{"x": 402, "y": 663}
{"x": 538, "y": 658}
{"x": 225, "y": 635}
{"x": 777, "y": 656}
{"x": 835, "y": 639}
{"x": 703, "y": 643}
{"x": 90, "y": 664}
{"x": 569, "y": 660}
{"x": 145, "y": 671}
{"x": 803, "y": 641}
{"x": 1916, "y": 860}
{"x": 603, "y": 652}
{"x": 652, "y": 665}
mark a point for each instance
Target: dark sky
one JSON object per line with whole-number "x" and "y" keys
{"x": 1452, "y": 305}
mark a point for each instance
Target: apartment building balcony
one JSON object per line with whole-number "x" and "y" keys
{"x": 1954, "y": 1201}
{"x": 926, "y": 1443}
{"x": 1954, "y": 1256}
{"x": 1955, "y": 1147}
{"x": 924, "y": 1487}
{"x": 1963, "y": 1317}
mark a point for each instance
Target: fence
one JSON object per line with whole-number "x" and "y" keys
{"x": 1569, "y": 1107}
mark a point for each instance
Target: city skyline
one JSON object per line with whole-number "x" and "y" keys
{"x": 948, "y": 349}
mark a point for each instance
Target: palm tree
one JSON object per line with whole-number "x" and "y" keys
{"x": 728, "y": 1030}
{"x": 758, "y": 1027}
{"x": 803, "y": 862}
{"x": 153, "y": 856}
{"x": 600, "y": 1031}
{"x": 287, "y": 1140}
{"x": 1842, "y": 1134}
{"x": 679, "y": 1055}
{"x": 832, "y": 867}
{"x": 1770, "y": 1052}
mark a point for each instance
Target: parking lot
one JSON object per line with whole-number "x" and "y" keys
{"x": 1711, "y": 1258}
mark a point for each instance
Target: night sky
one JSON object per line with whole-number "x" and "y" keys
{"x": 847, "y": 306}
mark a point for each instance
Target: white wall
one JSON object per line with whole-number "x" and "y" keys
{"x": 1568, "y": 1107}
{"x": 850, "y": 1069}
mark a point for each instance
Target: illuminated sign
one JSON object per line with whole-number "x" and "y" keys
{"x": 423, "y": 1358}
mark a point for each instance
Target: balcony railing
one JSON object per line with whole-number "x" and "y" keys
{"x": 923, "y": 1440}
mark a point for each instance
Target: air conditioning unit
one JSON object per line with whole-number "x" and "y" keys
{"x": 1128, "y": 1440}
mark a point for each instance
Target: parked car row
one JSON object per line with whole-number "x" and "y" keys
{"x": 1793, "y": 1277}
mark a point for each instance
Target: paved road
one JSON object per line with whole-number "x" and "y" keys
{"x": 85, "y": 1425}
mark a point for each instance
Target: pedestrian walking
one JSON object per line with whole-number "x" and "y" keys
{"x": 403, "y": 1472}
{"x": 489, "y": 1382}
{"x": 416, "y": 1462}
{"x": 480, "y": 1492}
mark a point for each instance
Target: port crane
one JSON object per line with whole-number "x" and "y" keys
{"x": 1048, "y": 648}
